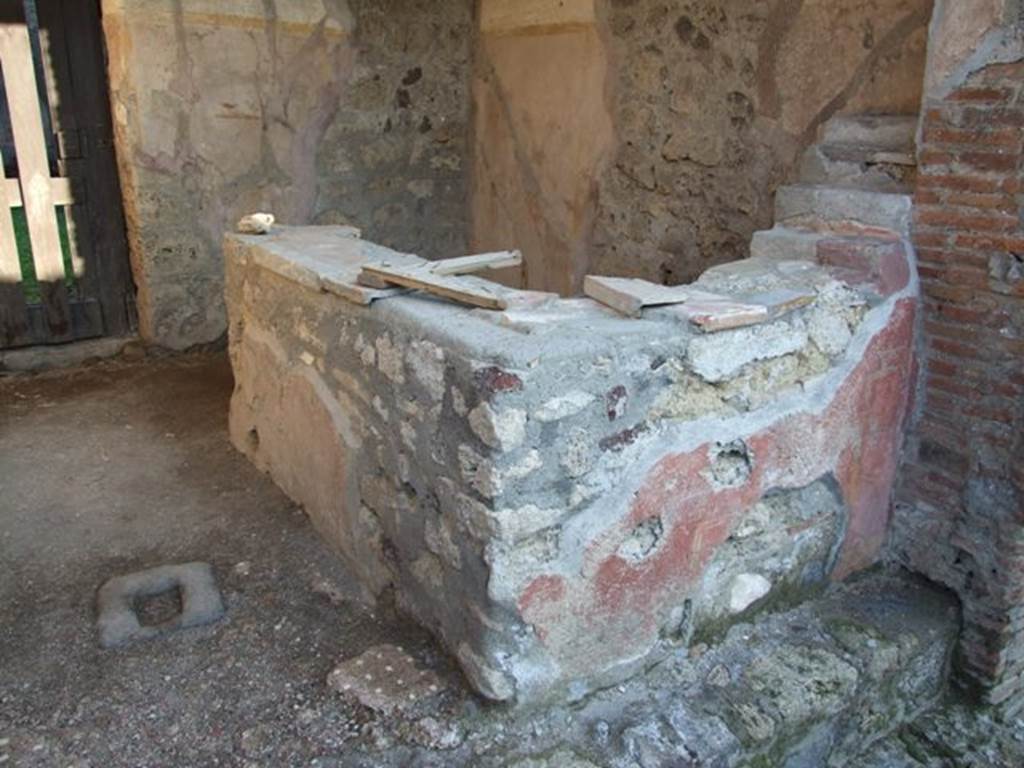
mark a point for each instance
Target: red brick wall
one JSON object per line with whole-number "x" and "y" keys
{"x": 961, "y": 519}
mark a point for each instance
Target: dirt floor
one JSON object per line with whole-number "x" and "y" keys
{"x": 119, "y": 466}
{"x": 115, "y": 468}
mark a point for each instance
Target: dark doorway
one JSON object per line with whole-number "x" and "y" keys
{"x": 64, "y": 270}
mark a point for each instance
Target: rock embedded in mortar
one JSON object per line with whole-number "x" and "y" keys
{"x": 747, "y": 589}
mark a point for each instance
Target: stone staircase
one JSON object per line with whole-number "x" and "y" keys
{"x": 875, "y": 153}
{"x": 851, "y": 208}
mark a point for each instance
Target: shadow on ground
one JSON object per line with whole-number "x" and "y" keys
{"x": 115, "y": 468}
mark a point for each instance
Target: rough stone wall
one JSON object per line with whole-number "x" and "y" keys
{"x": 962, "y": 520}
{"x": 616, "y": 136}
{"x": 713, "y": 103}
{"x": 393, "y": 159}
{"x": 563, "y": 495}
{"x": 322, "y": 110}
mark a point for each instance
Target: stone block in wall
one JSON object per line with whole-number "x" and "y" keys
{"x": 561, "y": 494}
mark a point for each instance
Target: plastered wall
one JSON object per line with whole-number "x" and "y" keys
{"x": 627, "y": 137}
{"x": 645, "y": 138}
{"x": 324, "y": 111}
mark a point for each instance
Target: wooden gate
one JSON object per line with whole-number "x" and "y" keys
{"x": 64, "y": 271}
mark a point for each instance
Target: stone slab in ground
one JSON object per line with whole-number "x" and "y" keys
{"x": 384, "y": 678}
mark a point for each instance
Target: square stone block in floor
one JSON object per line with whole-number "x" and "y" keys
{"x": 119, "y": 622}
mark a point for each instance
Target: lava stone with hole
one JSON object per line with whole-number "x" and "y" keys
{"x": 119, "y": 619}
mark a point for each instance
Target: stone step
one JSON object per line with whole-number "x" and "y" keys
{"x": 978, "y": 738}
{"x": 855, "y": 166}
{"x": 785, "y": 243}
{"x": 817, "y": 685}
{"x": 892, "y": 133}
{"x": 829, "y": 208}
{"x": 880, "y": 264}
{"x": 857, "y": 153}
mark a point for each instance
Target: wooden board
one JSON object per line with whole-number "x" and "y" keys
{"x": 630, "y": 295}
{"x": 60, "y": 192}
{"x": 359, "y": 294}
{"x": 464, "y": 265}
{"x": 373, "y": 281}
{"x": 34, "y": 175}
{"x": 723, "y": 313}
{"x": 782, "y": 300}
{"x": 441, "y": 277}
{"x": 708, "y": 311}
{"x": 71, "y": 39}
{"x": 448, "y": 287}
{"x": 33, "y": 162}
{"x": 14, "y": 321}
{"x": 10, "y": 265}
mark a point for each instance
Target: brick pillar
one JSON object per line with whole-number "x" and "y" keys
{"x": 961, "y": 520}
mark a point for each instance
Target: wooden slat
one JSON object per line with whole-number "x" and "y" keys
{"x": 404, "y": 261}
{"x": 77, "y": 224}
{"x": 629, "y": 295}
{"x": 464, "y": 265}
{"x": 358, "y": 294}
{"x": 372, "y": 281}
{"x": 722, "y": 313}
{"x": 33, "y": 165}
{"x": 10, "y": 266}
{"x": 708, "y": 311}
{"x": 461, "y": 265}
{"x": 72, "y": 35}
{"x": 14, "y": 324}
{"x": 447, "y": 287}
{"x": 441, "y": 277}
{"x": 60, "y": 192}
{"x": 782, "y": 300}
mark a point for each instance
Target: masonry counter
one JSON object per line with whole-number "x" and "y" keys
{"x": 559, "y": 493}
